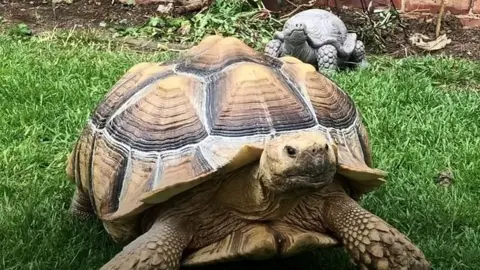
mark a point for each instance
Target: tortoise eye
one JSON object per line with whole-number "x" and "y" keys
{"x": 291, "y": 152}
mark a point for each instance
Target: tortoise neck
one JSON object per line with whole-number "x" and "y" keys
{"x": 244, "y": 194}
{"x": 301, "y": 51}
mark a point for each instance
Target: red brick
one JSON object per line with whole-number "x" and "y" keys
{"x": 433, "y": 6}
{"x": 386, "y": 3}
{"x": 340, "y": 3}
{"x": 398, "y": 4}
{"x": 357, "y": 3}
{"x": 470, "y": 21}
{"x": 476, "y": 6}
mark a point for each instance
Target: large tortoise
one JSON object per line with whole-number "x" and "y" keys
{"x": 227, "y": 153}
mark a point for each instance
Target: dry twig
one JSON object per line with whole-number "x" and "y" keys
{"x": 152, "y": 45}
{"x": 285, "y": 17}
{"x": 439, "y": 19}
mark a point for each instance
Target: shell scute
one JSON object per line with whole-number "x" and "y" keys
{"x": 136, "y": 78}
{"x": 108, "y": 173}
{"x": 178, "y": 167}
{"x": 166, "y": 117}
{"x": 250, "y": 99}
{"x": 141, "y": 166}
{"x": 333, "y": 107}
{"x": 203, "y": 60}
{"x": 82, "y": 157}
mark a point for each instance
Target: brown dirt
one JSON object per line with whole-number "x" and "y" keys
{"x": 40, "y": 15}
{"x": 465, "y": 42}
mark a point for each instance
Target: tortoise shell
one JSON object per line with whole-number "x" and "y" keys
{"x": 320, "y": 26}
{"x": 166, "y": 127}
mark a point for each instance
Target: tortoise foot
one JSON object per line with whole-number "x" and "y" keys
{"x": 159, "y": 248}
{"x": 380, "y": 246}
{"x": 370, "y": 241}
{"x": 273, "y": 48}
{"x": 327, "y": 58}
{"x": 81, "y": 207}
{"x": 358, "y": 55}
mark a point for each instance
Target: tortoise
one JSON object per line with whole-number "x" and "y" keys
{"x": 318, "y": 37}
{"x": 255, "y": 157}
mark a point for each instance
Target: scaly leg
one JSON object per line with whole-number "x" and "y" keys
{"x": 273, "y": 48}
{"x": 371, "y": 242}
{"x": 81, "y": 206}
{"x": 161, "y": 247}
{"x": 327, "y": 58}
{"x": 358, "y": 55}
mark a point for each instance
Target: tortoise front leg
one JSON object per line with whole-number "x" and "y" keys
{"x": 370, "y": 241}
{"x": 273, "y": 48}
{"x": 327, "y": 58}
{"x": 161, "y": 247}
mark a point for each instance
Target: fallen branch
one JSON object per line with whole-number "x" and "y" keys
{"x": 285, "y": 17}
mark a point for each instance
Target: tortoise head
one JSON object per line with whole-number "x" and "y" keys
{"x": 299, "y": 162}
{"x": 294, "y": 33}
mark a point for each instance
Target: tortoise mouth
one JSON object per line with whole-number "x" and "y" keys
{"x": 308, "y": 181}
{"x": 296, "y": 34}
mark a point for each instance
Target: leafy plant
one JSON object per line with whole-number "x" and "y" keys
{"x": 378, "y": 23}
{"x": 247, "y": 20}
{"x": 20, "y": 30}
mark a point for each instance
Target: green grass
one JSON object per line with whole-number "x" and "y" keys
{"x": 422, "y": 114}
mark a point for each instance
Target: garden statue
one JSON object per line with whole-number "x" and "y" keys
{"x": 320, "y": 38}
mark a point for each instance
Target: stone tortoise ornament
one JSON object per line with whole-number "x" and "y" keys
{"x": 227, "y": 153}
{"x": 320, "y": 38}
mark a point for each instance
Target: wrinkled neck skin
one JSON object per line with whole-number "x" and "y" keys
{"x": 240, "y": 193}
{"x": 245, "y": 195}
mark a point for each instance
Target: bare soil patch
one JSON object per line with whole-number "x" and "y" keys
{"x": 465, "y": 42}
{"x": 41, "y": 15}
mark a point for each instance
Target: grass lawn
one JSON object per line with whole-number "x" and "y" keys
{"x": 422, "y": 114}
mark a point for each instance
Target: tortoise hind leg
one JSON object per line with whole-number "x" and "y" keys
{"x": 161, "y": 247}
{"x": 358, "y": 55}
{"x": 81, "y": 206}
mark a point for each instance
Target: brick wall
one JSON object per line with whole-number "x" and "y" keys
{"x": 468, "y": 11}
{"x": 454, "y": 6}
{"x": 459, "y": 7}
